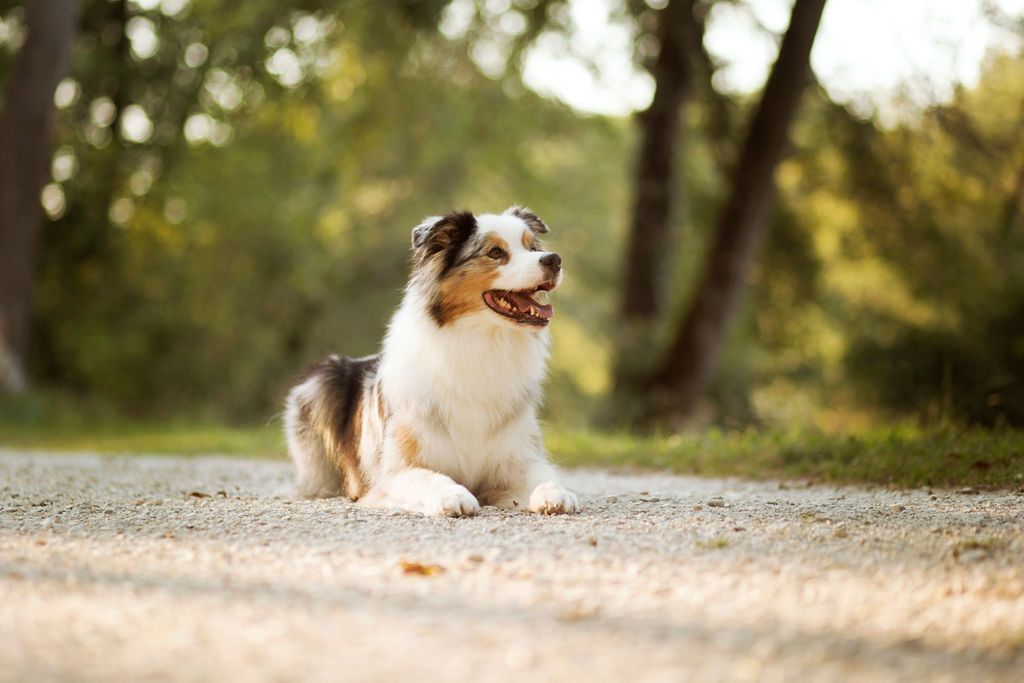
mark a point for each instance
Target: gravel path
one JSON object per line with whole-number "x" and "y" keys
{"x": 197, "y": 569}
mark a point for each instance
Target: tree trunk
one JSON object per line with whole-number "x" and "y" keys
{"x": 659, "y": 138}
{"x": 654, "y": 188}
{"x": 26, "y": 132}
{"x": 675, "y": 387}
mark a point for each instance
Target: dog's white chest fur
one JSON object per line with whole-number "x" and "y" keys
{"x": 470, "y": 387}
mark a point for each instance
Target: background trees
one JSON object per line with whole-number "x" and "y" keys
{"x": 26, "y": 129}
{"x": 692, "y": 356}
{"x": 230, "y": 189}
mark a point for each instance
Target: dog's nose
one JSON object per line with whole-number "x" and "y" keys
{"x": 552, "y": 261}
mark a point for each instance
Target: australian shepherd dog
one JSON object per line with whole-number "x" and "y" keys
{"x": 444, "y": 418}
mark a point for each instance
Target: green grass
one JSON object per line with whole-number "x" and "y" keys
{"x": 901, "y": 456}
{"x": 184, "y": 439}
{"x": 55, "y": 422}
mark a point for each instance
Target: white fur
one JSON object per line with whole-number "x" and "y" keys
{"x": 523, "y": 269}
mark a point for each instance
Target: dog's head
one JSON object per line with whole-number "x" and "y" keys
{"x": 489, "y": 266}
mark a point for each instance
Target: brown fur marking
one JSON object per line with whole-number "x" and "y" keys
{"x": 348, "y": 456}
{"x": 461, "y": 292}
{"x": 382, "y": 406}
{"x": 529, "y": 241}
{"x": 408, "y": 446}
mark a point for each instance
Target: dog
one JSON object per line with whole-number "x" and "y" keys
{"x": 444, "y": 418}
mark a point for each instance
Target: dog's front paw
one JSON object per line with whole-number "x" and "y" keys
{"x": 552, "y": 499}
{"x": 457, "y": 501}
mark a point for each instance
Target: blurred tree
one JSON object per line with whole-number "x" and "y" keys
{"x": 232, "y": 186}
{"x": 655, "y": 188}
{"x": 937, "y": 329}
{"x": 691, "y": 358}
{"x": 238, "y": 202}
{"x": 655, "y": 183}
{"x": 26, "y": 133}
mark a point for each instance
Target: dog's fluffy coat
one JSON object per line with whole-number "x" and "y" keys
{"x": 444, "y": 418}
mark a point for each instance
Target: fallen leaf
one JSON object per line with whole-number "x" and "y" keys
{"x": 418, "y": 569}
{"x": 199, "y": 494}
{"x": 579, "y": 613}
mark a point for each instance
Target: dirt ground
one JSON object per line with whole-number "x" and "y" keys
{"x": 197, "y": 569}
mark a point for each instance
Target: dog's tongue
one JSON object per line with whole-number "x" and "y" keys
{"x": 524, "y": 303}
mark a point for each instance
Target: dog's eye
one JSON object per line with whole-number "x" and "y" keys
{"x": 496, "y": 253}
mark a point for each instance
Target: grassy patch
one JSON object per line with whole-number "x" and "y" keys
{"x": 55, "y": 423}
{"x": 178, "y": 439}
{"x": 900, "y": 456}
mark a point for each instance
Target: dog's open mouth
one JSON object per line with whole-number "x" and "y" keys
{"x": 522, "y": 305}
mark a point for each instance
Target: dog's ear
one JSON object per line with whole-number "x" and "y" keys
{"x": 533, "y": 222}
{"x": 421, "y": 233}
{"x": 442, "y": 233}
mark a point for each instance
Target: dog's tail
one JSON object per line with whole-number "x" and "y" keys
{"x": 323, "y": 424}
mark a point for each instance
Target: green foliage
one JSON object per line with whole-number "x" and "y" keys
{"x": 198, "y": 275}
{"x": 932, "y": 199}
{"x": 891, "y": 285}
{"x": 972, "y": 375}
{"x": 256, "y": 217}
